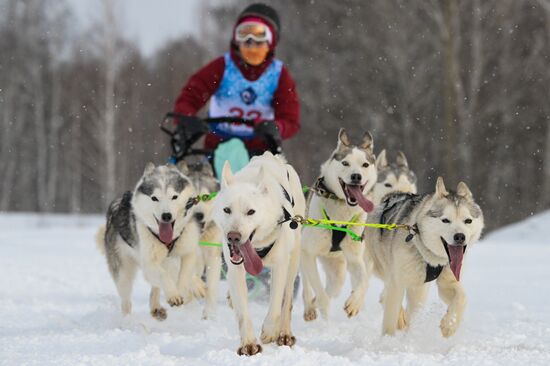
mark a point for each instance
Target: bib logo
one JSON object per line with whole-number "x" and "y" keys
{"x": 248, "y": 96}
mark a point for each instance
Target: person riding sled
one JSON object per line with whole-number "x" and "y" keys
{"x": 247, "y": 82}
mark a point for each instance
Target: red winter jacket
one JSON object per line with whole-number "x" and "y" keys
{"x": 204, "y": 83}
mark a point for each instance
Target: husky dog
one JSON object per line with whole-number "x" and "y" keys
{"x": 339, "y": 194}
{"x": 253, "y": 211}
{"x": 202, "y": 176}
{"x": 392, "y": 177}
{"x": 151, "y": 228}
{"x": 442, "y": 225}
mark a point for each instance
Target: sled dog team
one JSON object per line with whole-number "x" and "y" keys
{"x": 157, "y": 228}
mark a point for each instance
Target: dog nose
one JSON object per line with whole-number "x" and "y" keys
{"x": 199, "y": 216}
{"x": 167, "y": 216}
{"x": 356, "y": 178}
{"x": 234, "y": 237}
{"x": 459, "y": 238}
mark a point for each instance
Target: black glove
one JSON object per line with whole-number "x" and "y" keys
{"x": 188, "y": 131}
{"x": 270, "y": 133}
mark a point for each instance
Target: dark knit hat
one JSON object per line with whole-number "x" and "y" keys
{"x": 265, "y": 12}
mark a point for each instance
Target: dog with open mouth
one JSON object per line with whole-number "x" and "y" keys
{"x": 341, "y": 194}
{"x": 152, "y": 228}
{"x": 253, "y": 211}
{"x": 442, "y": 226}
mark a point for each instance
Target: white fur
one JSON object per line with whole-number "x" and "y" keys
{"x": 173, "y": 273}
{"x": 316, "y": 242}
{"x": 402, "y": 265}
{"x": 258, "y": 187}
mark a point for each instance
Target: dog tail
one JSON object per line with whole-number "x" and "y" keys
{"x": 100, "y": 239}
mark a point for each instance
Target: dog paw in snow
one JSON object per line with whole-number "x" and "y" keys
{"x": 159, "y": 314}
{"x": 448, "y": 325}
{"x": 249, "y": 349}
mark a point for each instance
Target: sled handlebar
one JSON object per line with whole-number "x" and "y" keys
{"x": 181, "y": 117}
{"x": 181, "y": 143}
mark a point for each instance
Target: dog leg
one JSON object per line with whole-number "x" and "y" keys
{"x": 157, "y": 311}
{"x": 236, "y": 277}
{"x": 335, "y": 270}
{"x": 157, "y": 275}
{"x": 359, "y": 279}
{"x": 285, "y": 336}
{"x": 452, "y": 293}
{"x": 416, "y": 297}
{"x": 187, "y": 280}
{"x": 124, "y": 281}
{"x": 321, "y": 300}
{"x": 213, "y": 267}
{"x": 401, "y": 320}
{"x": 307, "y": 295}
{"x": 272, "y": 322}
{"x": 393, "y": 299}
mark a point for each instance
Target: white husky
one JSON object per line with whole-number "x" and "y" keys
{"x": 346, "y": 177}
{"x": 442, "y": 225}
{"x": 151, "y": 228}
{"x": 252, "y": 210}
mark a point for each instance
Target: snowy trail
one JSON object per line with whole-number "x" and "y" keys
{"x": 58, "y": 306}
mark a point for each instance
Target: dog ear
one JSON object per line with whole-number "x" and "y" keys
{"x": 227, "y": 175}
{"x": 368, "y": 142}
{"x": 381, "y": 160}
{"x": 440, "y": 190}
{"x": 183, "y": 167}
{"x": 463, "y": 190}
{"x": 343, "y": 137}
{"x": 401, "y": 160}
{"x": 149, "y": 168}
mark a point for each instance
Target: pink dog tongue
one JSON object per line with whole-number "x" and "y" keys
{"x": 362, "y": 201}
{"x": 165, "y": 232}
{"x": 252, "y": 262}
{"x": 456, "y": 253}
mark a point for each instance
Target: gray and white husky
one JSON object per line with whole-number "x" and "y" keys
{"x": 392, "y": 177}
{"x": 253, "y": 211}
{"x": 339, "y": 194}
{"x": 152, "y": 229}
{"x": 209, "y": 259}
{"x": 443, "y": 224}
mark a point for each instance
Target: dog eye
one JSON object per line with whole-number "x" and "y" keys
{"x": 251, "y": 212}
{"x": 345, "y": 163}
{"x": 468, "y": 221}
{"x": 387, "y": 185}
{"x": 365, "y": 165}
{"x": 175, "y": 197}
{"x": 446, "y": 221}
{"x": 154, "y": 198}
{"x": 227, "y": 210}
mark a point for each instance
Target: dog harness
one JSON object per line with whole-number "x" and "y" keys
{"x": 337, "y": 235}
{"x": 432, "y": 272}
{"x": 262, "y": 252}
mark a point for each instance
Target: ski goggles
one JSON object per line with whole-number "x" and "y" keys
{"x": 256, "y": 31}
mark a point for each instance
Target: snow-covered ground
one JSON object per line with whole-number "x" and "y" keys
{"x": 58, "y": 306}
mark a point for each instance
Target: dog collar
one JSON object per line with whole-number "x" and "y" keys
{"x": 321, "y": 190}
